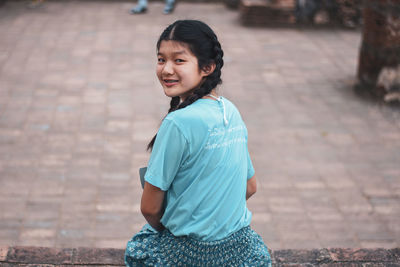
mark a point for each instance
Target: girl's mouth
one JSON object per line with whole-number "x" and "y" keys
{"x": 170, "y": 82}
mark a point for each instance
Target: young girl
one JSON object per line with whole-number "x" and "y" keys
{"x": 200, "y": 173}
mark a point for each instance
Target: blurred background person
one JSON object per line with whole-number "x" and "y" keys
{"x": 141, "y": 7}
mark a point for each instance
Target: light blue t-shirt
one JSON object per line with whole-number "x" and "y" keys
{"x": 203, "y": 164}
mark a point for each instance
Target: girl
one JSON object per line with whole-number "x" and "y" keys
{"x": 200, "y": 173}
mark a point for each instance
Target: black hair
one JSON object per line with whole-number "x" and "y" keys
{"x": 204, "y": 44}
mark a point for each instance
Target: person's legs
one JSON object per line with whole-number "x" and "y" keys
{"x": 141, "y": 7}
{"x": 169, "y": 6}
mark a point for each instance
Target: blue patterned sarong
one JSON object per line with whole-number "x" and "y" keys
{"x": 150, "y": 248}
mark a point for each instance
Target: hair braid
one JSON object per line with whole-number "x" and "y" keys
{"x": 174, "y": 103}
{"x": 173, "y": 106}
{"x": 212, "y": 80}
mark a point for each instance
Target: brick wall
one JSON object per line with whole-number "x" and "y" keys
{"x": 331, "y": 12}
{"x": 264, "y": 12}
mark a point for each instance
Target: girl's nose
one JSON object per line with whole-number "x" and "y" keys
{"x": 168, "y": 68}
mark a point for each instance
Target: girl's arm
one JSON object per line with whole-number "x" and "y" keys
{"x": 251, "y": 187}
{"x": 152, "y": 205}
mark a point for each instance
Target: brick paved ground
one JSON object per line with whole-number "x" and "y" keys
{"x": 79, "y": 100}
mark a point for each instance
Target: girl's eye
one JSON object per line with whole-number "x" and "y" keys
{"x": 160, "y": 60}
{"x": 179, "y": 60}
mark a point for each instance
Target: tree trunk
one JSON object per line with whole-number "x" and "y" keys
{"x": 380, "y": 49}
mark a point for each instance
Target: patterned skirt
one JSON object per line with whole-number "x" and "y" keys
{"x": 242, "y": 248}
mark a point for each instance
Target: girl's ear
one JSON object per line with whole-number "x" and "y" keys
{"x": 207, "y": 70}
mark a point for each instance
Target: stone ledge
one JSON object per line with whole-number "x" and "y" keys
{"x": 43, "y": 256}
{"x": 31, "y": 256}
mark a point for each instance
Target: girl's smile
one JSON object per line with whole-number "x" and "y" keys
{"x": 169, "y": 82}
{"x": 178, "y": 70}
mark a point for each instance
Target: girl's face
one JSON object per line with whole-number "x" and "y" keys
{"x": 178, "y": 70}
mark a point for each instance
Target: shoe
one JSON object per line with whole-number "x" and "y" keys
{"x": 168, "y": 9}
{"x": 139, "y": 10}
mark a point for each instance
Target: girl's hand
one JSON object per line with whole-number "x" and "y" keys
{"x": 151, "y": 205}
{"x": 251, "y": 187}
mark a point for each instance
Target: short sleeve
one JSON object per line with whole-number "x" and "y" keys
{"x": 167, "y": 155}
{"x": 250, "y": 168}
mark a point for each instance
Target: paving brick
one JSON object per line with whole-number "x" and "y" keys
{"x": 10, "y": 235}
{"x": 42, "y": 209}
{"x": 37, "y": 234}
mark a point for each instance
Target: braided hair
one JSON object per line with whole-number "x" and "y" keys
{"x": 204, "y": 44}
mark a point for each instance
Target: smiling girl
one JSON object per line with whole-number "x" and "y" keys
{"x": 200, "y": 173}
